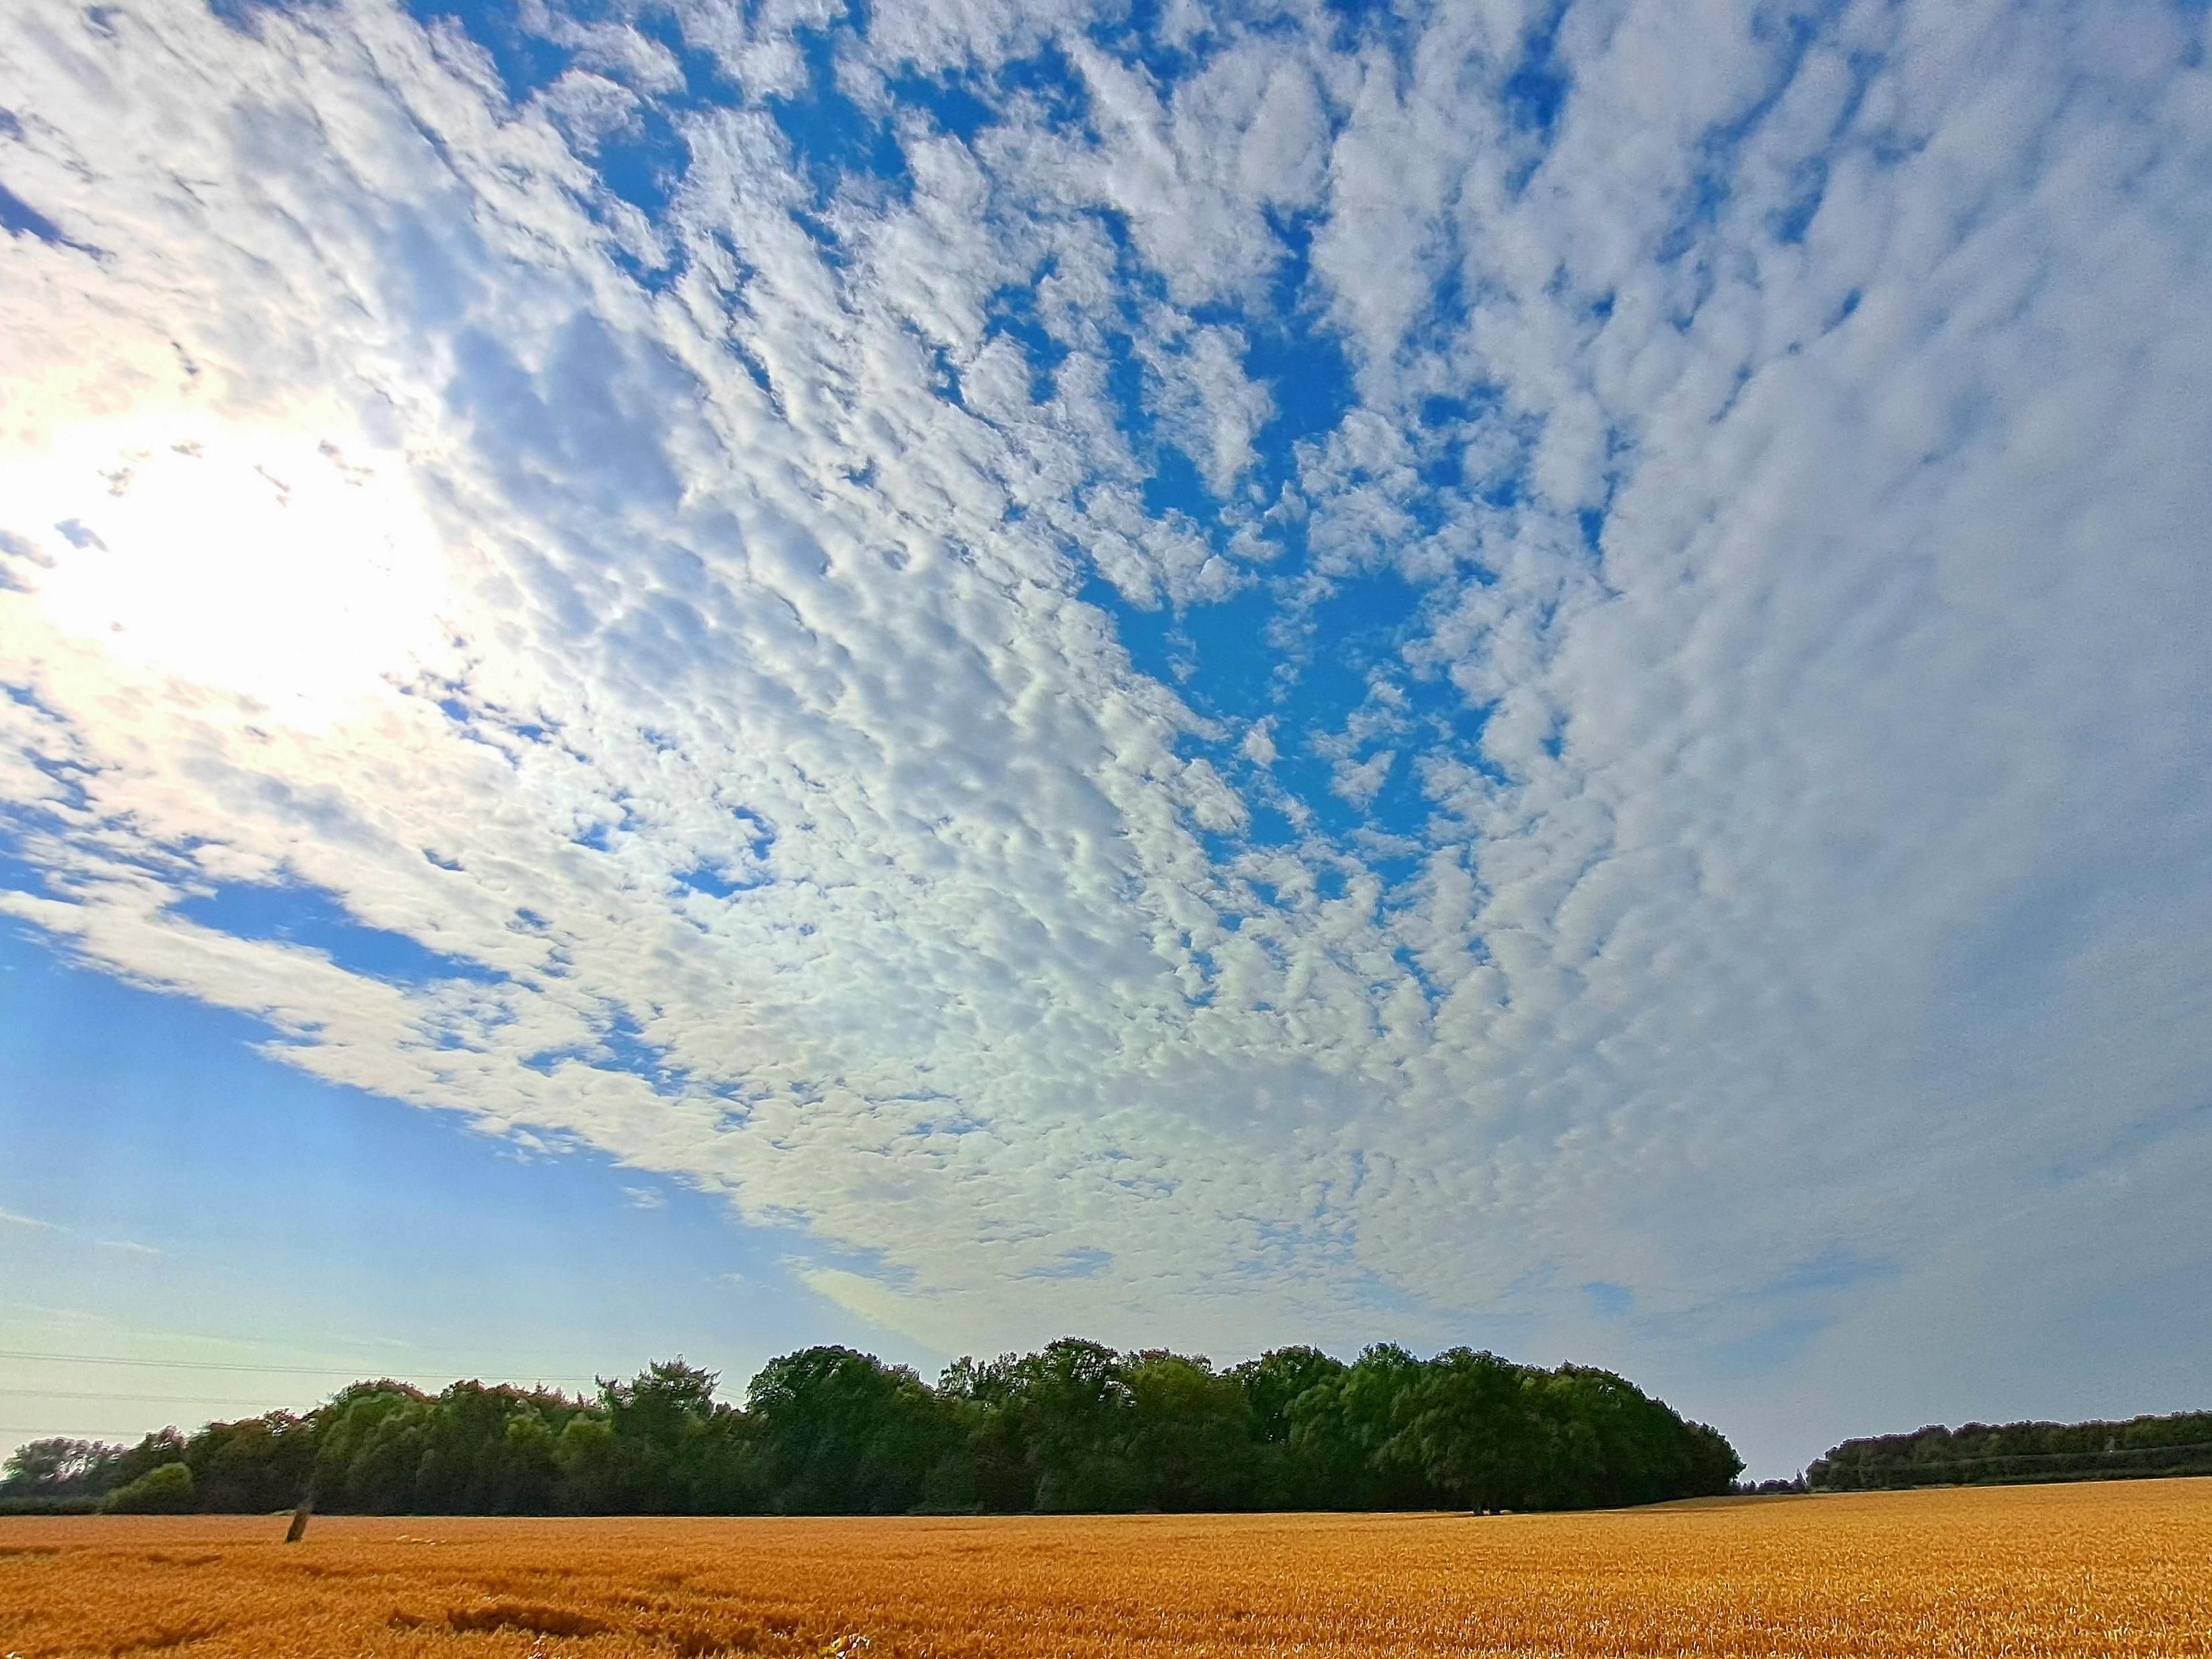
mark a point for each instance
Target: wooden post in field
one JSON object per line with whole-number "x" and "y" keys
{"x": 298, "y": 1530}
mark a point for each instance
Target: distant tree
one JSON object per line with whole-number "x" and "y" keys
{"x": 1071, "y": 1410}
{"x": 162, "y": 1446}
{"x": 1273, "y": 1384}
{"x": 369, "y": 1451}
{"x": 59, "y": 1468}
{"x": 168, "y": 1489}
{"x": 843, "y": 1433}
{"x": 1606, "y": 1442}
{"x": 652, "y": 1421}
{"x": 1189, "y": 1441}
{"x": 1464, "y": 1426}
{"x": 1979, "y": 1454}
{"x": 1075, "y": 1425}
{"x": 663, "y": 1403}
{"x": 1275, "y": 1381}
{"x": 1342, "y": 1431}
{"x": 256, "y": 1464}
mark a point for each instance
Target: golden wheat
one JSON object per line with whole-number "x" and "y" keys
{"x": 2123, "y": 1568}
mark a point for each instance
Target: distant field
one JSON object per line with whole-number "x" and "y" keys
{"x": 2050, "y": 1570}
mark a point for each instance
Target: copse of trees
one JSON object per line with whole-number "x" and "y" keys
{"x": 1076, "y": 1426}
{"x": 1980, "y": 1453}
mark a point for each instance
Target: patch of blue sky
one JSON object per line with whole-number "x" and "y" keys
{"x": 1084, "y": 1262}
{"x": 1046, "y": 79}
{"x": 724, "y": 878}
{"x": 1720, "y": 149}
{"x": 1133, "y": 34}
{"x": 1291, "y": 348}
{"x": 599, "y": 836}
{"x": 1434, "y": 330}
{"x": 1400, "y": 811}
{"x": 833, "y": 138}
{"x": 1766, "y": 1347}
{"x": 244, "y": 15}
{"x": 1607, "y": 1300}
{"x": 20, "y": 218}
{"x": 1175, "y": 487}
{"x": 67, "y": 778}
{"x": 622, "y": 1044}
{"x": 720, "y": 881}
{"x": 1271, "y": 826}
{"x": 1215, "y": 654}
{"x": 1535, "y": 94}
{"x": 1232, "y": 664}
{"x": 18, "y": 874}
{"x": 275, "y": 1196}
{"x": 643, "y": 164}
{"x": 314, "y": 919}
{"x": 1012, "y": 312}
{"x": 953, "y": 102}
{"x": 1358, "y": 21}
{"x": 761, "y": 835}
{"x": 525, "y": 61}
{"x": 1835, "y": 1269}
{"x": 1351, "y": 635}
{"x": 644, "y": 167}
{"x": 618, "y": 1045}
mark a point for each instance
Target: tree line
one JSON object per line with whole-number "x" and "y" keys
{"x": 1980, "y": 1453}
{"x": 1076, "y": 1426}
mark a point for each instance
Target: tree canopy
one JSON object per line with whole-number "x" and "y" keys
{"x": 1982, "y": 1454}
{"x": 1075, "y": 1426}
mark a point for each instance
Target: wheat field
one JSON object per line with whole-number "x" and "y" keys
{"x": 2120, "y": 1568}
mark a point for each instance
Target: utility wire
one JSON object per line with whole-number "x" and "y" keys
{"x": 153, "y": 1399}
{"x": 357, "y": 1369}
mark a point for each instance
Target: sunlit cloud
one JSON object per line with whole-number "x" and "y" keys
{"x": 1528, "y": 675}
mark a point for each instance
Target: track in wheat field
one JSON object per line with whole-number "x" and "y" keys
{"x": 2121, "y": 1568}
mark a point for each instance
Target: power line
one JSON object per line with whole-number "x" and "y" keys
{"x": 178, "y": 1364}
{"x": 153, "y": 1399}
{"x": 354, "y": 1368}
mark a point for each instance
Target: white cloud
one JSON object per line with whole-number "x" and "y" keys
{"x": 1211, "y": 407}
{"x": 589, "y": 109}
{"x": 1360, "y": 781}
{"x": 1831, "y": 863}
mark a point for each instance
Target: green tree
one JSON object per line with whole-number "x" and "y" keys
{"x": 843, "y": 1433}
{"x": 1189, "y": 1443}
{"x": 1464, "y": 1427}
{"x": 1273, "y": 1384}
{"x": 61, "y": 1467}
{"x": 168, "y": 1489}
{"x": 1341, "y": 1427}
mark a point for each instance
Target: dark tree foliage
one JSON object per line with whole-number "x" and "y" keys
{"x": 1076, "y": 1426}
{"x": 1980, "y": 1455}
{"x": 61, "y": 1468}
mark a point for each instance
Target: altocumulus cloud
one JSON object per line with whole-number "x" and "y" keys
{"x": 1203, "y": 673}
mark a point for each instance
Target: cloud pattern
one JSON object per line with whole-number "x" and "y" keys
{"x": 1202, "y": 672}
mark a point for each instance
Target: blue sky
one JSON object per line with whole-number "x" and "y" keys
{"x": 698, "y": 677}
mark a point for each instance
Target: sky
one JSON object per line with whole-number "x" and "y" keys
{"x": 694, "y": 676}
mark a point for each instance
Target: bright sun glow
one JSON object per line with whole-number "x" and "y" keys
{"x": 270, "y": 562}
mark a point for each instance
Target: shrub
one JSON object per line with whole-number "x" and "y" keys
{"x": 168, "y": 1489}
